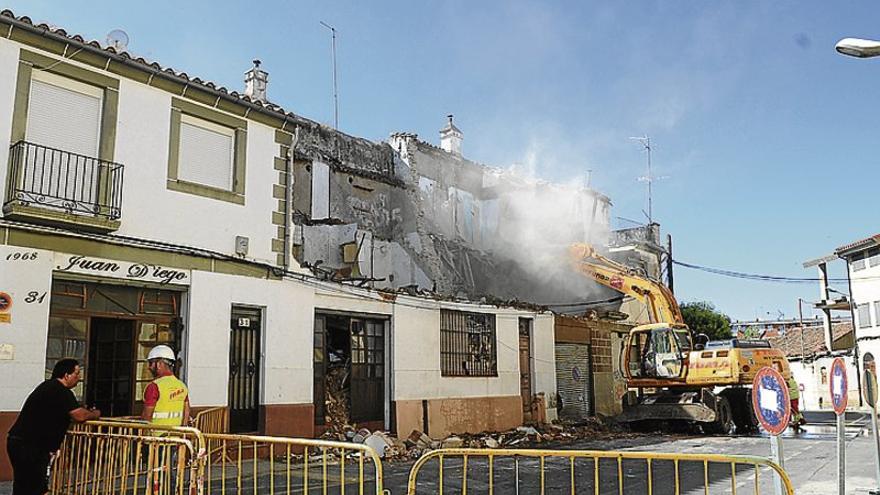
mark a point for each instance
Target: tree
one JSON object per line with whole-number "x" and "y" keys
{"x": 702, "y": 317}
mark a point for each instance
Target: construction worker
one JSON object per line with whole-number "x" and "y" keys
{"x": 166, "y": 399}
{"x": 794, "y": 395}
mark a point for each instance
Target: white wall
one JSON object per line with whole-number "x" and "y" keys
{"x": 544, "y": 359}
{"x": 809, "y": 376}
{"x": 149, "y": 209}
{"x": 25, "y": 336}
{"x": 9, "y": 71}
{"x": 286, "y": 337}
{"x": 415, "y": 335}
{"x": 866, "y": 290}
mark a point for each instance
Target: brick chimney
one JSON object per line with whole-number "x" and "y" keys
{"x": 450, "y": 138}
{"x": 256, "y": 81}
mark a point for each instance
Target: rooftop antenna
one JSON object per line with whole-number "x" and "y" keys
{"x": 645, "y": 141}
{"x": 118, "y": 40}
{"x": 589, "y": 177}
{"x": 335, "y": 92}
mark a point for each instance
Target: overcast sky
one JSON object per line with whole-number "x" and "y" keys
{"x": 767, "y": 136}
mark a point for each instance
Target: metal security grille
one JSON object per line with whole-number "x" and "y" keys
{"x": 467, "y": 344}
{"x": 244, "y": 369}
{"x": 573, "y": 372}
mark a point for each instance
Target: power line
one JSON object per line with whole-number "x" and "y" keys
{"x": 755, "y": 276}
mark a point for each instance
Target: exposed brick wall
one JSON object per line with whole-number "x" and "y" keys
{"x": 598, "y": 334}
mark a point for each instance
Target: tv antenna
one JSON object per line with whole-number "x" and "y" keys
{"x": 645, "y": 141}
{"x": 118, "y": 40}
{"x": 335, "y": 91}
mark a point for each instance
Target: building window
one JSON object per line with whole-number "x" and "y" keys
{"x": 864, "y": 313}
{"x": 63, "y": 141}
{"x": 877, "y": 312}
{"x": 858, "y": 262}
{"x": 65, "y": 107}
{"x": 873, "y": 256}
{"x": 206, "y": 152}
{"x": 467, "y": 344}
{"x": 64, "y": 114}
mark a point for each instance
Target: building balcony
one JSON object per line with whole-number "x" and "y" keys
{"x": 57, "y": 187}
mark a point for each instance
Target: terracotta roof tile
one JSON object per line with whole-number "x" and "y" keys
{"x": 148, "y": 65}
{"x": 868, "y": 241}
{"x": 813, "y": 341}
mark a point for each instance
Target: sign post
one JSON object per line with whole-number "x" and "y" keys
{"x": 772, "y": 406}
{"x": 870, "y": 389}
{"x": 839, "y": 392}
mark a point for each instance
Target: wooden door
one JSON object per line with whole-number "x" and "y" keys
{"x": 111, "y": 354}
{"x": 525, "y": 366}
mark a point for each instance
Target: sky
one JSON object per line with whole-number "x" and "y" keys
{"x": 765, "y": 136}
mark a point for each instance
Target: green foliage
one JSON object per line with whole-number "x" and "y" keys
{"x": 702, "y": 317}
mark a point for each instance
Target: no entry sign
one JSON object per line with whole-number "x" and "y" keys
{"x": 770, "y": 400}
{"x": 839, "y": 385}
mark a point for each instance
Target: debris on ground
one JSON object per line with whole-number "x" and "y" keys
{"x": 417, "y": 443}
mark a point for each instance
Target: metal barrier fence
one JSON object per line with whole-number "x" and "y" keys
{"x": 212, "y": 420}
{"x": 102, "y": 464}
{"x": 583, "y": 471}
{"x": 249, "y": 464}
{"x": 260, "y": 464}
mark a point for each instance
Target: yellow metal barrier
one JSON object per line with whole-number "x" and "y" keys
{"x": 212, "y": 420}
{"x": 587, "y": 471}
{"x": 102, "y": 464}
{"x": 270, "y": 465}
{"x": 126, "y": 426}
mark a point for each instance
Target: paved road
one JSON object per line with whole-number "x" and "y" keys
{"x": 810, "y": 461}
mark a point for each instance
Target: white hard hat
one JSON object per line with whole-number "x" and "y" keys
{"x": 161, "y": 352}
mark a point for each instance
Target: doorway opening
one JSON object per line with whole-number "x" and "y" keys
{"x": 349, "y": 369}
{"x": 111, "y": 355}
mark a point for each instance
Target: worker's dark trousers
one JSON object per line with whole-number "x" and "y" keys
{"x": 29, "y": 466}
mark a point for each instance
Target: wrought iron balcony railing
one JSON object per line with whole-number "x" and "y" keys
{"x": 51, "y": 178}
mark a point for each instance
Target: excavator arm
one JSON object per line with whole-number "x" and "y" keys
{"x": 661, "y": 304}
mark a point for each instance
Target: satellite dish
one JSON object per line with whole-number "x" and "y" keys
{"x": 118, "y": 40}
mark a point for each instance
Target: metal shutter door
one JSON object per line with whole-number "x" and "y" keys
{"x": 573, "y": 369}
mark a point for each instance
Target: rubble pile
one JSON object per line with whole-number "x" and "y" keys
{"x": 418, "y": 443}
{"x": 336, "y": 406}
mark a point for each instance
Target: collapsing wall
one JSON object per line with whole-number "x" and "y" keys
{"x": 409, "y": 215}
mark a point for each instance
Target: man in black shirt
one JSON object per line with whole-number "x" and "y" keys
{"x": 41, "y": 426}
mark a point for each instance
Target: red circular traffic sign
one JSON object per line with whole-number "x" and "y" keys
{"x": 839, "y": 385}
{"x": 770, "y": 400}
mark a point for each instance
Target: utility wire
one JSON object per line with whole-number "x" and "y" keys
{"x": 755, "y": 276}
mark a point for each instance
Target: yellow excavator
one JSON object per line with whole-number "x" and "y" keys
{"x": 674, "y": 375}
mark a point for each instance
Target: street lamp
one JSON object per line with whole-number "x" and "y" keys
{"x": 858, "y": 47}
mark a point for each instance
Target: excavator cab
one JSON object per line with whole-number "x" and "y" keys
{"x": 657, "y": 352}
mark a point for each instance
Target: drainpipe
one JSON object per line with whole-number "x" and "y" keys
{"x": 852, "y": 315}
{"x": 288, "y": 199}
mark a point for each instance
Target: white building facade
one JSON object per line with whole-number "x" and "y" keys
{"x": 142, "y": 207}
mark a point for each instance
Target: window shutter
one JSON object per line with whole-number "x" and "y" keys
{"x": 206, "y": 153}
{"x": 64, "y": 119}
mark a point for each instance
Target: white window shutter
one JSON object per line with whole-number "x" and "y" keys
{"x": 63, "y": 118}
{"x": 206, "y": 153}
{"x": 64, "y": 115}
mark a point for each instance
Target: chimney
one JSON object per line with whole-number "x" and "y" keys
{"x": 450, "y": 138}
{"x": 255, "y": 82}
